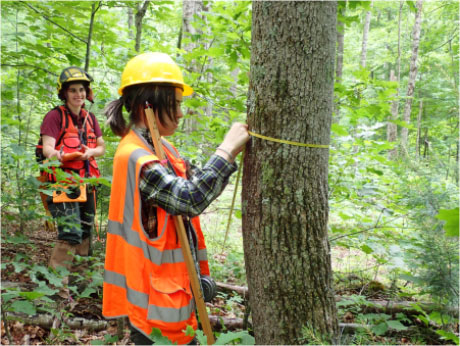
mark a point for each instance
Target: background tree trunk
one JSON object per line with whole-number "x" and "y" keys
{"x": 392, "y": 129}
{"x": 367, "y": 23}
{"x": 419, "y": 128}
{"x": 412, "y": 73}
{"x": 94, "y": 9}
{"x": 190, "y": 9}
{"x": 285, "y": 187}
{"x": 140, "y": 14}
{"x": 130, "y": 23}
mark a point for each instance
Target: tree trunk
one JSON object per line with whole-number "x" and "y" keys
{"x": 367, "y": 23}
{"x": 94, "y": 9}
{"x": 419, "y": 127}
{"x": 140, "y": 14}
{"x": 285, "y": 192}
{"x": 190, "y": 9}
{"x": 392, "y": 129}
{"x": 130, "y": 23}
{"x": 412, "y": 73}
{"x": 426, "y": 144}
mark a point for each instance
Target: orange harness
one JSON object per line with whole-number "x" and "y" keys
{"x": 69, "y": 143}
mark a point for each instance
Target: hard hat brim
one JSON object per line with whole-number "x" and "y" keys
{"x": 187, "y": 90}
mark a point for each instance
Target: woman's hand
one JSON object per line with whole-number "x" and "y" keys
{"x": 234, "y": 141}
{"x": 87, "y": 154}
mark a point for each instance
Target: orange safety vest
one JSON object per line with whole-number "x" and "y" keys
{"x": 69, "y": 142}
{"x": 146, "y": 279}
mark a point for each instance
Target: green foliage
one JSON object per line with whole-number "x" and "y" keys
{"x": 400, "y": 214}
{"x": 451, "y": 221}
{"x": 159, "y": 339}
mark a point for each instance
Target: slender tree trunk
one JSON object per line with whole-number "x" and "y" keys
{"x": 285, "y": 188}
{"x": 140, "y": 14}
{"x": 190, "y": 9}
{"x": 419, "y": 127}
{"x": 412, "y": 73}
{"x": 392, "y": 129}
{"x": 94, "y": 9}
{"x": 426, "y": 144}
{"x": 367, "y": 23}
{"x": 130, "y": 23}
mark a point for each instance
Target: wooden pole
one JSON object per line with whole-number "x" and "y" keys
{"x": 183, "y": 241}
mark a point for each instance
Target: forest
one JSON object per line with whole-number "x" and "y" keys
{"x": 354, "y": 241}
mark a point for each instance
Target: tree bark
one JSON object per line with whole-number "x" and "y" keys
{"x": 285, "y": 188}
{"x": 190, "y": 9}
{"x": 130, "y": 23}
{"x": 392, "y": 129}
{"x": 140, "y": 14}
{"x": 367, "y": 23}
{"x": 412, "y": 73}
{"x": 419, "y": 128}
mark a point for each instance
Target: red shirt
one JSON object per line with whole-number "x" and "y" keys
{"x": 51, "y": 125}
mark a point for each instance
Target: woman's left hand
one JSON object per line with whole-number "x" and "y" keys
{"x": 89, "y": 153}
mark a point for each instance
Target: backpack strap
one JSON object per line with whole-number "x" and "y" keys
{"x": 64, "y": 122}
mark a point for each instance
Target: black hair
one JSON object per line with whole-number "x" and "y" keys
{"x": 161, "y": 97}
{"x": 65, "y": 87}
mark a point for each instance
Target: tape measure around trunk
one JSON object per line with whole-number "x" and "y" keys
{"x": 271, "y": 139}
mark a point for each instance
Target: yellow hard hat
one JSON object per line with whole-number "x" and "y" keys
{"x": 153, "y": 68}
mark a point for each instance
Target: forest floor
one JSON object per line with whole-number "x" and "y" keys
{"x": 37, "y": 250}
{"x": 16, "y": 252}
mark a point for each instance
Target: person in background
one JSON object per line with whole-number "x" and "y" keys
{"x": 72, "y": 135}
{"x": 145, "y": 275}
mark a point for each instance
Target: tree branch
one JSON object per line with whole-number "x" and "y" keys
{"x": 51, "y": 21}
{"x": 32, "y": 66}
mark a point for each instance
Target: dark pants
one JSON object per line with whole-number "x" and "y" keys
{"x": 139, "y": 338}
{"x": 75, "y": 220}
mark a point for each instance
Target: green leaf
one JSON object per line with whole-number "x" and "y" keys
{"x": 226, "y": 338}
{"x": 367, "y": 249}
{"x": 450, "y": 216}
{"x": 380, "y": 328}
{"x": 159, "y": 339}
{"x": 396, "y": 325}
{"x": 31, "y": 295}
{"x": 238, "y": 214}
{"x": 202, "y": 339}
{"x": 24, "y": 307}
{"x": 448, "y": 336}
{"x": 339, "y": 130}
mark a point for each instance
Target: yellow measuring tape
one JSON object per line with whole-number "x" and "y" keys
{"x": 271, "y": 139}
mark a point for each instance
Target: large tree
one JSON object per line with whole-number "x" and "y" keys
{"x": 285, "y": 187}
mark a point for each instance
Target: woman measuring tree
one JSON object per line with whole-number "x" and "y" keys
{"x": 145, "y": 276}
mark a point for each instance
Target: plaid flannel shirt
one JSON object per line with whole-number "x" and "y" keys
{"x": 160, "y": 187}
